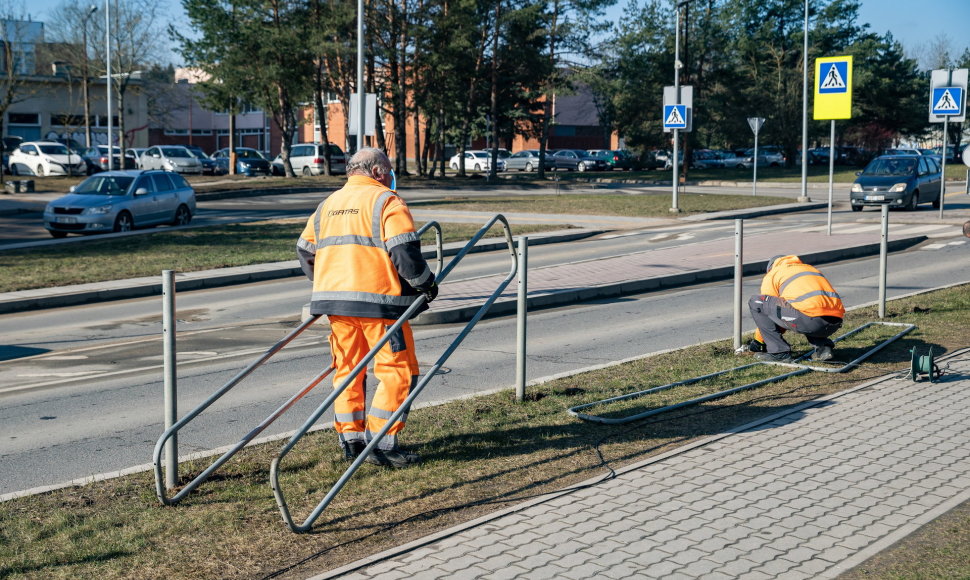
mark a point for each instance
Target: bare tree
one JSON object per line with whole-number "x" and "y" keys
{"x": 16, "y": 63}
{"x": 135, "y": 33}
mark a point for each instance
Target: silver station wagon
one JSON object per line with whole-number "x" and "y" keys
{"x": 120, "y": 201}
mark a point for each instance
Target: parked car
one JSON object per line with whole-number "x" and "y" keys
{"x": 577, "y": 160}
{"x": 119, "y": 201}
{"x": 706, "y": 159}
{"x": 209, "y": 166}
{"x": 476, "y": 160}
{"x": 729, "y": 160}
{"x": 249, "y": 162}
{"x": 171, "y": 158}
{"x": 766, "y": 158}
{"x": 617, "y": 158}
{"x": 45, "y": 158}
{"x": 903, "y": 151}
{"x": 898, "y": 181}
{"x": 528, "y": 160}
{"x": 309, "y": 159}
{"x": 97, "y": 159}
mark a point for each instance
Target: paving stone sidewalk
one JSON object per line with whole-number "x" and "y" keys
{"x": 807, "y": 493}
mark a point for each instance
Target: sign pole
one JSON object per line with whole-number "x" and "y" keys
{"x": 831, "y": 172}
{"x": 754, "y": 165}
{"x": 946, "y": 124}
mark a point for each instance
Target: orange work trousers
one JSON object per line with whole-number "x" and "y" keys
{"x": 395, "y": 368}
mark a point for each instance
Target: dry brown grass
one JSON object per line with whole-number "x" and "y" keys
{"x": 481, "y": 454}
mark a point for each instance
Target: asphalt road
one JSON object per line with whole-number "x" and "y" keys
{"x": 96, "y": 404}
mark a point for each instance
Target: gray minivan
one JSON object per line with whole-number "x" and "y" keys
{"x": 308, "y": 159}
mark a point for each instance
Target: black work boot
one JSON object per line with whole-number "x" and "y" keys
{"x": 756, "y": 346}
{"x": 774, "y": 356}
{"x": 396, "y": 458}
{"x": 352, "y": 449}
{"x": 822, "y": 353}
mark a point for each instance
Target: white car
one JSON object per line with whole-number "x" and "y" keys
{"x": 476, "y": 160}
{"x": 170, "y": 158}
{"x": 46, "y": 158}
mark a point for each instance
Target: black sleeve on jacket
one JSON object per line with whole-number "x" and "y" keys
{"x": 411, "y": 265}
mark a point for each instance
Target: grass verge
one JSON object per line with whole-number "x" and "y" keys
{"x": 480, "y": 454}
{"x": 187, "y": 250}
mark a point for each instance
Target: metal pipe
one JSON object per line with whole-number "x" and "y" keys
{"x": 831, "y": 172}
{"x": 883, "y": 259}
{"x": 171, "y": 432}
{"x": 676, "y": 153}
{"x": 361, "y": 96}
{"x": 522, "y": 310}
{"x": 800, "y": 369}
{"x": 338, "y": 389}
{"x": 170, "y": 376}
{"x": 804, "y": 196}
{"x": 946, "y": 124}
{"x": 738, "y": 277}
{"x": 107, "y": 47}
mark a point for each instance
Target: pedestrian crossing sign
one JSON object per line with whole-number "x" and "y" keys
{"x": 947, "y": 101}
{"x": 675, "y": 117}
{"x": 833, "y": 88}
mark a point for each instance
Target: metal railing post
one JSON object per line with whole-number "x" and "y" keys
{"x": 170, "y": 372}
{"x": 738, "y": 276}
{"x": 522, "y": 309}
{"x": 883, "y": 258}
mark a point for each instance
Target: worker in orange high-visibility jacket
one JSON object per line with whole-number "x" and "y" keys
{"x": 363, "y": 256}
{"x": 794, "y": 296}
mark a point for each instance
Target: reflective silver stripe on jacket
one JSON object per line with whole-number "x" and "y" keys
{"x": 351, "y": 296}
{"x": 781, "y": 288}
{"x": 401, "y": 239}
{"x": 814, "y": 294}
{"x": 378, "y": 211}
{"x": 306, "y": 246}
{"x": 349, "y": 240}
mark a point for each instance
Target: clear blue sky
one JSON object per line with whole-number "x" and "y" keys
{"x": 912, "y": 22}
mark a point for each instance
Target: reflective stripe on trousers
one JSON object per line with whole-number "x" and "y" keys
{"x": 395, "y": 368}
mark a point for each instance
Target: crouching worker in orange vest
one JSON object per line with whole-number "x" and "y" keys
{"x": 363, "y": 256}
{"x": 794, "y": 296}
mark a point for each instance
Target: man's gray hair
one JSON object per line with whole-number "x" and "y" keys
{"x": 364, "y": 161}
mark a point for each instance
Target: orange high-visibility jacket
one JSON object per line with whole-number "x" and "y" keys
{"x": 361, "y": 251}
{"x": 803, "y": 287}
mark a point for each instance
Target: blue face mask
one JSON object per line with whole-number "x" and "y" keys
{"x": 393, "y": 181}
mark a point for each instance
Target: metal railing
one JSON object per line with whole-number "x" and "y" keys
{"x": 405, "y": 406}
{"x": 160, "y": 490}
{"x": 800, "y": 369}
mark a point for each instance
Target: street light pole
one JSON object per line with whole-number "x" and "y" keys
{"x": 804, "y": 196}
{"x": 84, "y": 71}
{"x": 361, "y": 97}
{"x": 107, "y": 47}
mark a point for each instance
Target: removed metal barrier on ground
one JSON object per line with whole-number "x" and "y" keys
{"x": 160, "y": 490}
{"x": 800, "y": 369}
{"x": 406, "y": 405}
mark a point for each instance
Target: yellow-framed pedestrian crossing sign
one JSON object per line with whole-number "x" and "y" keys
{"x": 833, "y": 88}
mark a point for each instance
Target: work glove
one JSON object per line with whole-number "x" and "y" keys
{"x": 432, "y": 292}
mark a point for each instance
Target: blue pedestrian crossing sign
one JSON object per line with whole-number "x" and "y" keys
{"x": 833, "y": 88}
{"x": 947, "y": 101}
{"x": 675, "y": 117}
{"x": 834, "y": 77}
